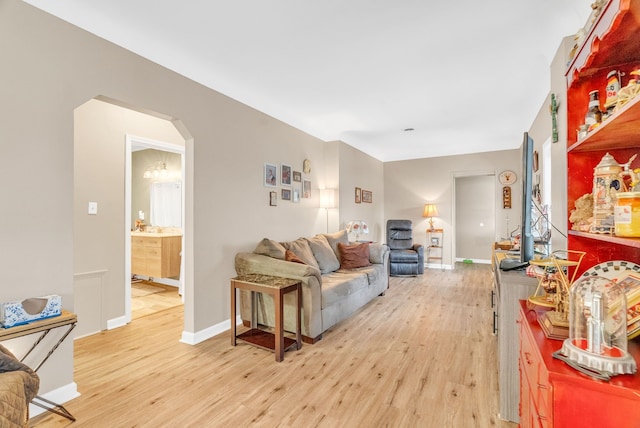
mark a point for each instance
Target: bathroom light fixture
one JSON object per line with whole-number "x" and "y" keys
{"x": 160, "y": 170}
{"x": 430, "y": 211}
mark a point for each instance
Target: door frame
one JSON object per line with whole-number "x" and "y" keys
{"x": 133, "y": 143}
{"x": 466, "y": 174}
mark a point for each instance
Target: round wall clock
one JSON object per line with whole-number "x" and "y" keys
{"x": 507, "y": 177}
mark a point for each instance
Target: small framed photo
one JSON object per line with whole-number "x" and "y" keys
{"x": 286, "y": 194}
{"x": 306, "y": 189}
{"x": 435, "y": 242}
{"x": 285, "y": 175}
{"x": 367, "y": 197}
{"x": 270, "y": 175}
{"x": 273, "y": 198}
{"x": 297, "y": 176}
{"x": 296, "y": 195}
{"x": 358, "y": 195}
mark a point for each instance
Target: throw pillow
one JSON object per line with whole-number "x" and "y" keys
{"x": 301, "y": 248}
{"x": 271, "y": 248}
{"x": 322, "y": 251}
{"x": 334, "y": 238}
{"x": 354, "y": 256}
{"x": 290, "y": 256}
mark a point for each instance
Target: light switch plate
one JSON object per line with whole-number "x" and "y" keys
{"x": 93, "y": 208}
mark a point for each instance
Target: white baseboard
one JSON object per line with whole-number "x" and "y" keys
{"x": 60, "y": 396}
{"x": 116, "y": 322}
{"x": 207, "y": 333}
{"x": 437, "y": 266}
{"x": 479, "y": 261}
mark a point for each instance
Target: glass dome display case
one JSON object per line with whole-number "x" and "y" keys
{"x": 597, "y": 343}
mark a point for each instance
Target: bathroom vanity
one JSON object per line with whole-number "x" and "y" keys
{"x": 156, "y": 255}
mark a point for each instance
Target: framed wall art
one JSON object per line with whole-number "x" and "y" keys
{"x": 297, "y": 176}
{"x": 296, "y": 195}
{"x": 285, "y": 175}
{"x": 270, "y": 174}
{"x": 306, "y": 189}
{"x": 273, "y": 198}
{"x": 367, "y": 196}
{"x": 358, "y": 195}
{"x": 286, "y": 194}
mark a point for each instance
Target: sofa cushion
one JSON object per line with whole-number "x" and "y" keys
{"x": 354, "y": 256}
{"x": 322, "y": 251}
{"x": 290, "y": 256}
{"x": 336, "y": 287}
{"x": 271, "y": 248}
{"x": 334, "y": 238}
{"x": 301, "y": 249}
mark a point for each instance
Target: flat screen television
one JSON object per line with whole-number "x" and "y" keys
{"x": 526, "y": 235}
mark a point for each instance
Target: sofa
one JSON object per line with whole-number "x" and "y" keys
{"x": 18, "y": 386}
{"x": 338, "y": 278}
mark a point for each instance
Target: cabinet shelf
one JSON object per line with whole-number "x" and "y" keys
{"x": 619, "y": 131}
{"x": 618, "y": 240}
{"x": 616, "y": 26}
{"x": 613, "y": 43}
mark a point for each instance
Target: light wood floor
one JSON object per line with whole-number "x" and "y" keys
{"x": 421, "y": 356}
{"x": 150, "y": 297}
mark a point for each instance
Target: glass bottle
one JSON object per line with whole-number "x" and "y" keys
{"x": 594, "y": 116}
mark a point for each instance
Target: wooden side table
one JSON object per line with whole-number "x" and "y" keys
{"x": 277, "y": 287}
{"x": 44, "y": 326}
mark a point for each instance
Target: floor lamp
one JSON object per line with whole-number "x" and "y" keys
{"x": 327, "y": 200}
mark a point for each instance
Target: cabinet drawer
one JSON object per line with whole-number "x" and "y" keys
{"x": 153, "y": 253}
{"x": 153, "y": 242}
{"x": 528, "y": 357}
{"x": 137, "y": 241}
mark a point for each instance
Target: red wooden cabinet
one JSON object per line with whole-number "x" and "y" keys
{"x": 554, "y": 394}
{"x": 613, "y": 43}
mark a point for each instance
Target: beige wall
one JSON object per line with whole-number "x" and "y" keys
{"x": 360, "y": 170}
{"x": 408, "y": 185}
{"x": 227, "y": 144}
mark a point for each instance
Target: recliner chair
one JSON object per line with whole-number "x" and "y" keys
{"x": 405, "y": 257}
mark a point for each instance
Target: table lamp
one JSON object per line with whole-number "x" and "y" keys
{"x": 357, "y": 227}
{"x": 430, "y": 211}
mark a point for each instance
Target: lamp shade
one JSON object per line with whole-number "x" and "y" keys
{"x": 430, "y": 210}
{"x": 327, "y": 198}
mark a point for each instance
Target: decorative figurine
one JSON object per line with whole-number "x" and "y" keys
{"x": 606, "y": 182}
{"x": 553, "y": 108}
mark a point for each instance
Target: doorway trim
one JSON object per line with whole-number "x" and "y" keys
{"x": 133, "y": 143}
{"x": 463, "y": 174}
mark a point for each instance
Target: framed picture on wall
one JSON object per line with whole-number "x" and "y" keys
{"x": 285, "y": 175}
{"x": 306, "y": 189}
{"x": 286, "y": 194}
{"x": 297, "y": 176}
{"x": 367, "y": 196}
{"x": 270, "y": 175}
{"x": 358, "y": 195}
{"x": 296, "y": 195}
{"x": 273, "y": 198}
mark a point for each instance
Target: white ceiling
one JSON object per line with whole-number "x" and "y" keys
{"x": 469, "y": 76}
